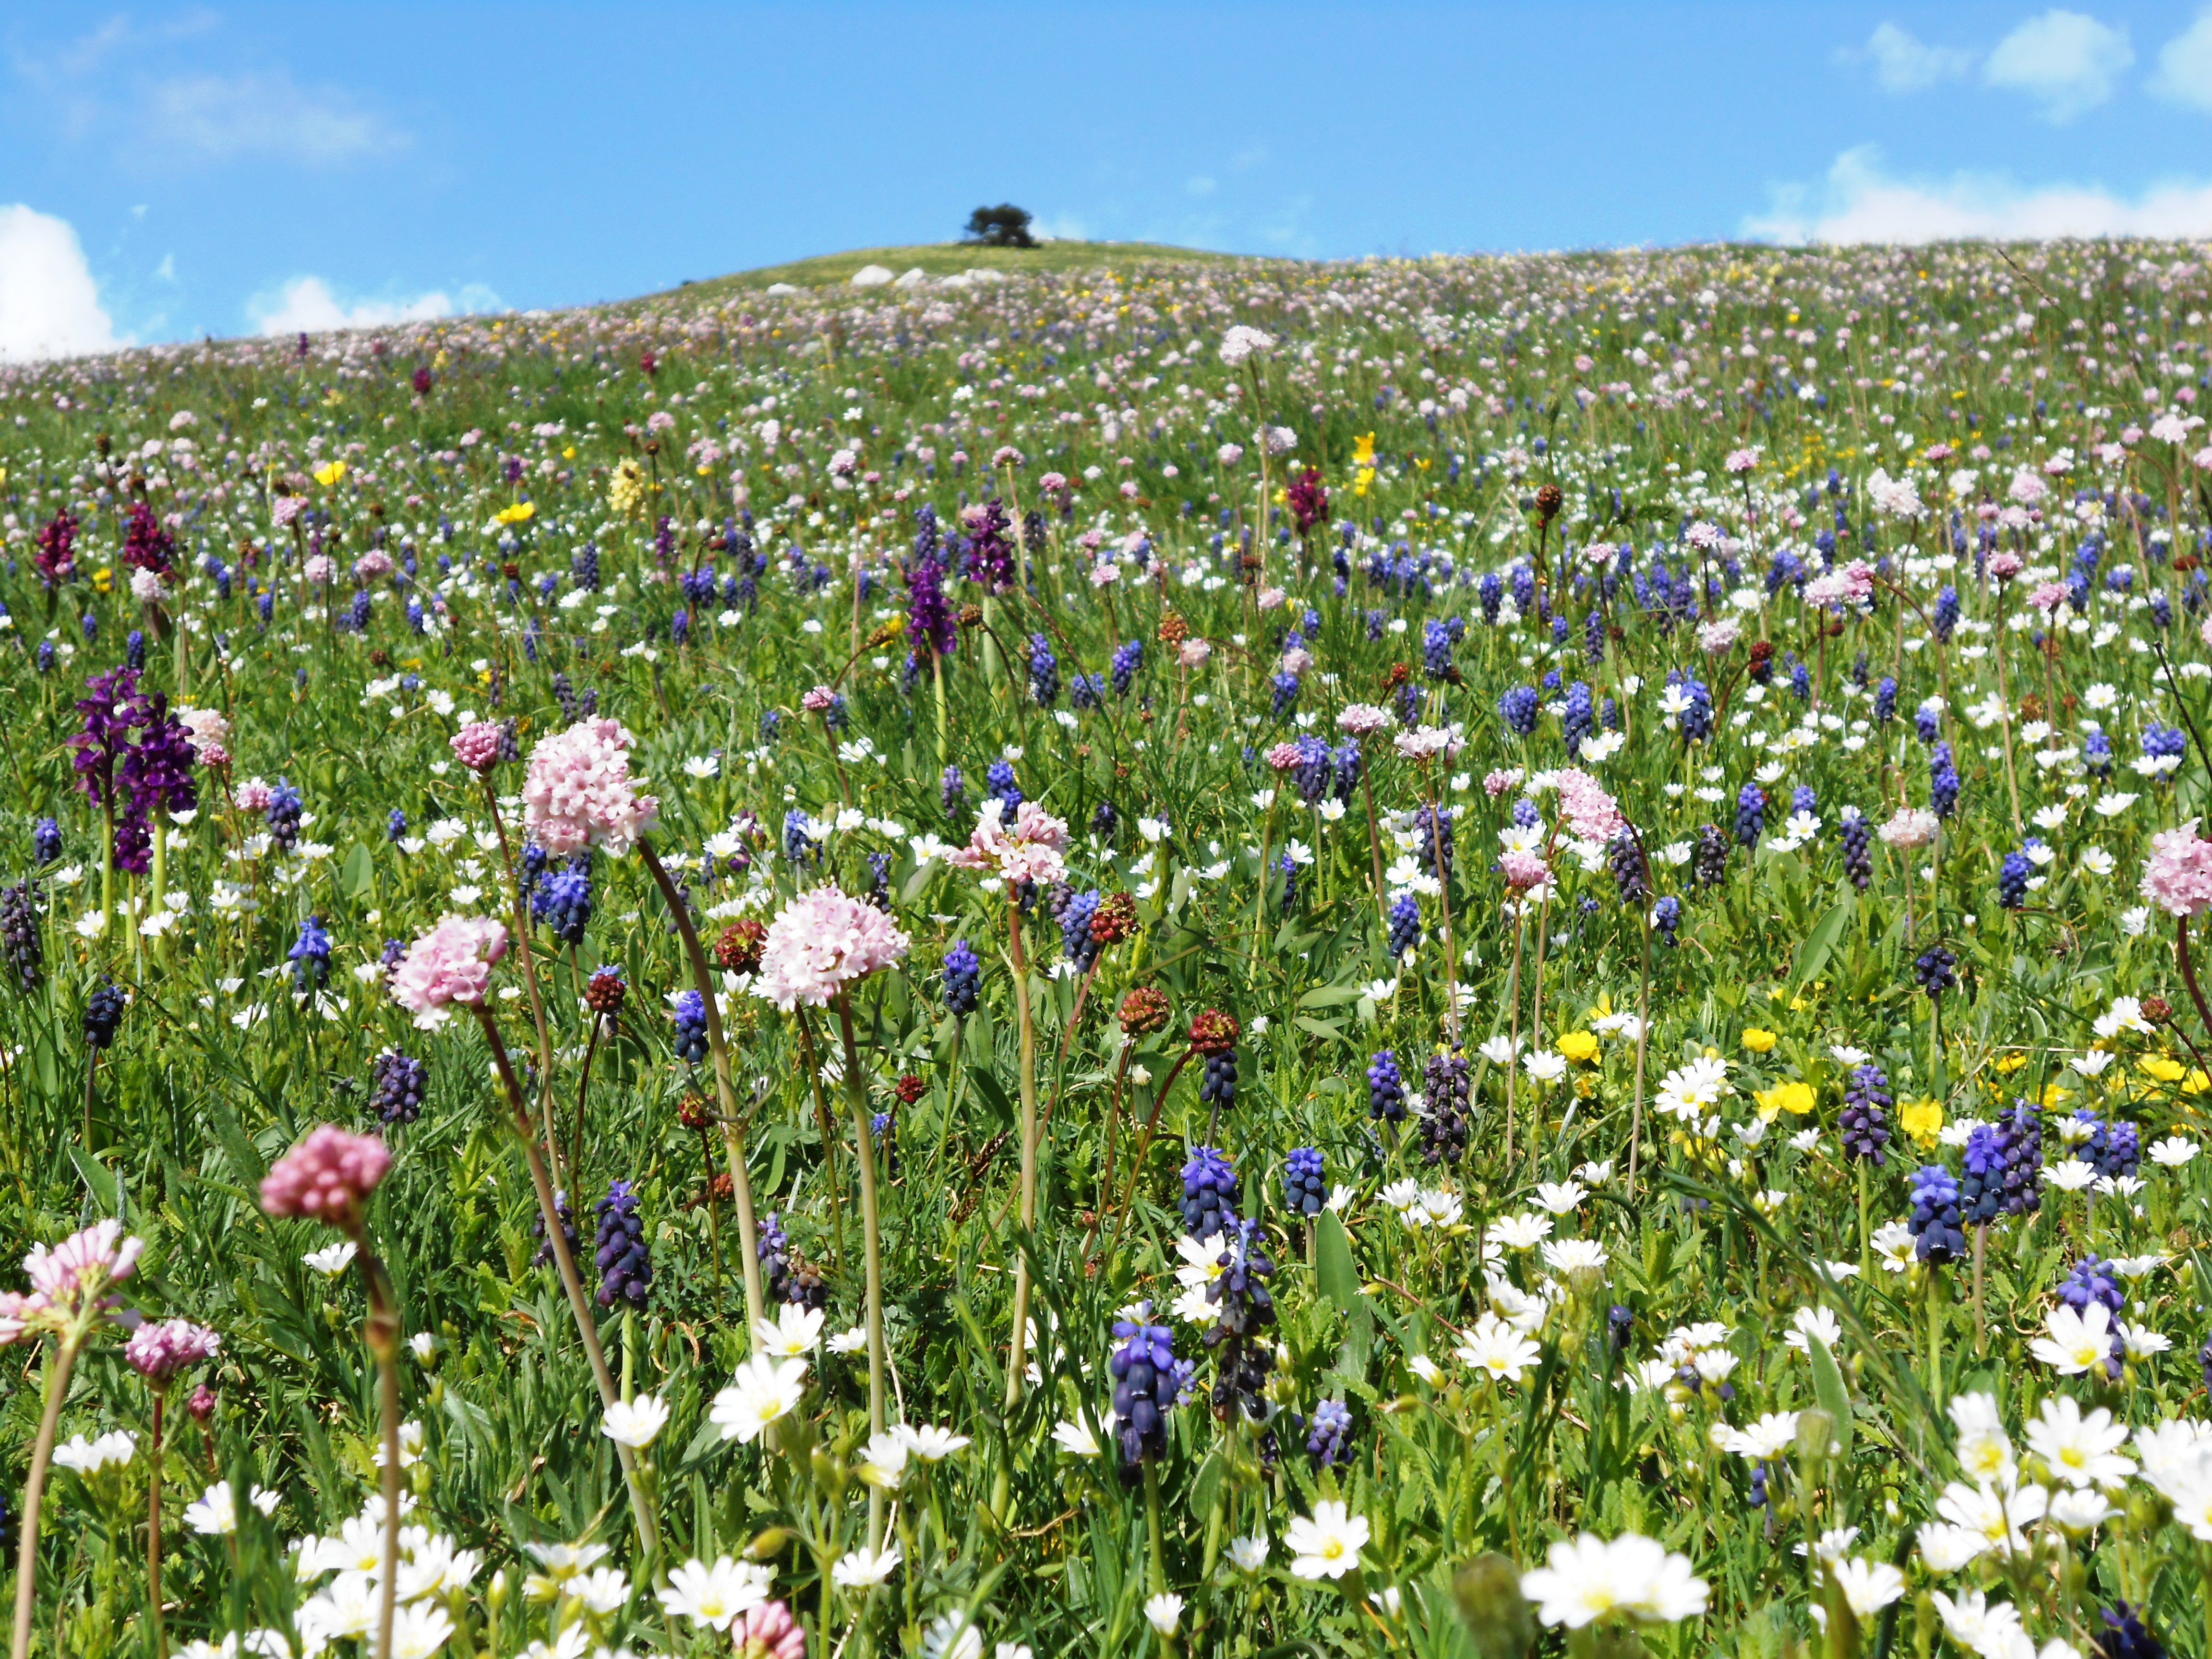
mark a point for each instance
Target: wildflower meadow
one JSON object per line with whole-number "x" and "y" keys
{"x": 1458, "y": 958}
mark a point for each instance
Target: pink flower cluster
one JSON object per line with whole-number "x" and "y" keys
{"x": 820, "y": 698}
{"x": 768, "y": 1632}
{"x": 158, "y": 1353}
{"x": 251, "y": 796}
{"x": 579, "y": 792}
{"x": 821, "y": 942}
{"x": 2004, "y": 566}
{"x": 1031, "y": 852}
{"x": 1847, "y": 584}
{"x": 450, "y": 963}
{"x": 68, "y": 1279}
{"x": 1495, "y": 784}
{"x": 2177, "y": 875}
{"x": 2047, "y": 597}
{"x": 1912, "y": 826}
{"x": 327, "y": 1177}
{"x": 1283, "y": 757}
{"x": 476, "y": 746}
{"x": 1590, "y": 812}
{"x": 1523, "y": 871}
{"x": 1364, "y": 720}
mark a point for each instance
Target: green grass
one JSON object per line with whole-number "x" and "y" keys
{"x": 944, "y": 259}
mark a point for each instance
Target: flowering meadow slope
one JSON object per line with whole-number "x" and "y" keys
{"x": 1447, "y": 958}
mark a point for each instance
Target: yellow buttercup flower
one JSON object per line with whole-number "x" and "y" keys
{"x": 520, "y": 512}
{"x": 1757, "y": 1040}
{"x": 1581, "y": 1046}
{"x": 1794, "y": 1098}
{"x": 2161, "y": 1066}
{"x": 103, "y": 579}
{"x": 1922, "y": 1120}
{"x": 330, "y": 472}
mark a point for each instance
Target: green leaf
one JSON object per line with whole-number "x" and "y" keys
{"x": 1330, "y": 996}
{"x": 360, "y": 873}
{"x": 1333, "y": 1265}
{"x": 1813, "y": 954}
{"x": 1828, "y": 1388}
{"x": 99, "y": 1179}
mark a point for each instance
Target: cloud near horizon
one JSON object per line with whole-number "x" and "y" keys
{"x": 49, "y": 304}
{"x": 1861, "y": 202}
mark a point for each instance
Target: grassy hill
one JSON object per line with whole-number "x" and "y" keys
{"x": 943, "y": 258}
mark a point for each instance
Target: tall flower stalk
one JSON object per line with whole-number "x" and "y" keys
{"x": 1031, "y": 852}
{"x": 451, "y": 966}
{"x": 68, "y": 1301}
{"x": 158, "y": 1353}
{"x": 819, "y": 946}
{"x": 328, "y": 1177}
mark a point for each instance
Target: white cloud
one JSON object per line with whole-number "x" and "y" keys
{"x": 2066, "y": 60}
{"x": 223, "y": 118}
{"x": 1061, "y": 228}
{"x": 49, "y": 304}
{"x": 2185, "y": 65}
{"x": 306, "y": 304}
{"x": 1861, "y": 203}
{"x": 1902, "y": 63}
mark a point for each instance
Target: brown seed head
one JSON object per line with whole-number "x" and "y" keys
{"x": 1144, "y": 1011}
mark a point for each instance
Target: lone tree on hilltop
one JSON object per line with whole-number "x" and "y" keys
{"x": 1003, "y": 226}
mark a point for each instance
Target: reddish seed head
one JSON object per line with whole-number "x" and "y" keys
{"x": 1213, "y": 1033}
{"x": 1144, "y": 1011}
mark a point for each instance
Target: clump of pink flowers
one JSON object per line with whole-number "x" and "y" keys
{"x": 1283, "y": 757}
{"x": 2177, "y": 875}
{"x": 158, "y": 1352}
{"x": 768, "y": 1632}
{"x": 1590, "y": 812}
{"x": 451, "y": 964}
{"x": 578, "y": 792}
{"x": 1031, "y": 851}
{"x": 1523, "y": 871}
{"x": 68, "y": 1282}
{"x": 327, "y": 1177}
{"x": 822, "y": 942}
{"x": 1912, "y": 826}
{"x": 1364, "y": 720}
{"x": 476, "y": 746}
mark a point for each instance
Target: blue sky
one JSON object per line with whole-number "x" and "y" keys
{"x": 167, "y": 172}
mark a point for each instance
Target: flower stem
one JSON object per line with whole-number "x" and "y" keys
{"x": 856, "y": 1090}
{"x": 1019, "y": 1337}
{"x": 381, "y": 1331}
{"x": 648, "y": 1528}
{"x": 34, "y": 1486}
{"x": 734, "y": 1148}
{"x": 154, "y": 1528}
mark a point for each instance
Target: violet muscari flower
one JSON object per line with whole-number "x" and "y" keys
{"x": 929, "y": 618}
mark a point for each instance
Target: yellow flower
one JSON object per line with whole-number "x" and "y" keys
{"x": 569, "y": 453}
{"x": 2052, "y": 1094}
{"x": 626, "y": 489}
{"x": 2161, "y": 1066}
{"x": 1578, "y": 1046}
{"x": 1363, "y": 450}
{"x": 2011, "y": 1062}
{"x": 520, "y": 512}
{"x": 1794, "y": 1098}
{"x": 330, "y": 472}
{"x": 103, "y": 579}
{"x": 1922, "y": 1120}
{"x": 1757, "y": 1041}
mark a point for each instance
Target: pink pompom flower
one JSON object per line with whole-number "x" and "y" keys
{"x": 1283, "y": 757}
{"x": 327, "y": 1177}
{"x": 1523, "y": 871}
{"x": 822, "y": 942}
{"x": 69, "y": 1282}
{"x": 1031, "y": 850}
{"x": 2177, "y": 875}
{"x": 476, "y": 746}
{"x": 578, "y": 792}
{"x": 450, "y": 963}
{"x": 158, "y": 1353}
{"x": 768, "y": 1632}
